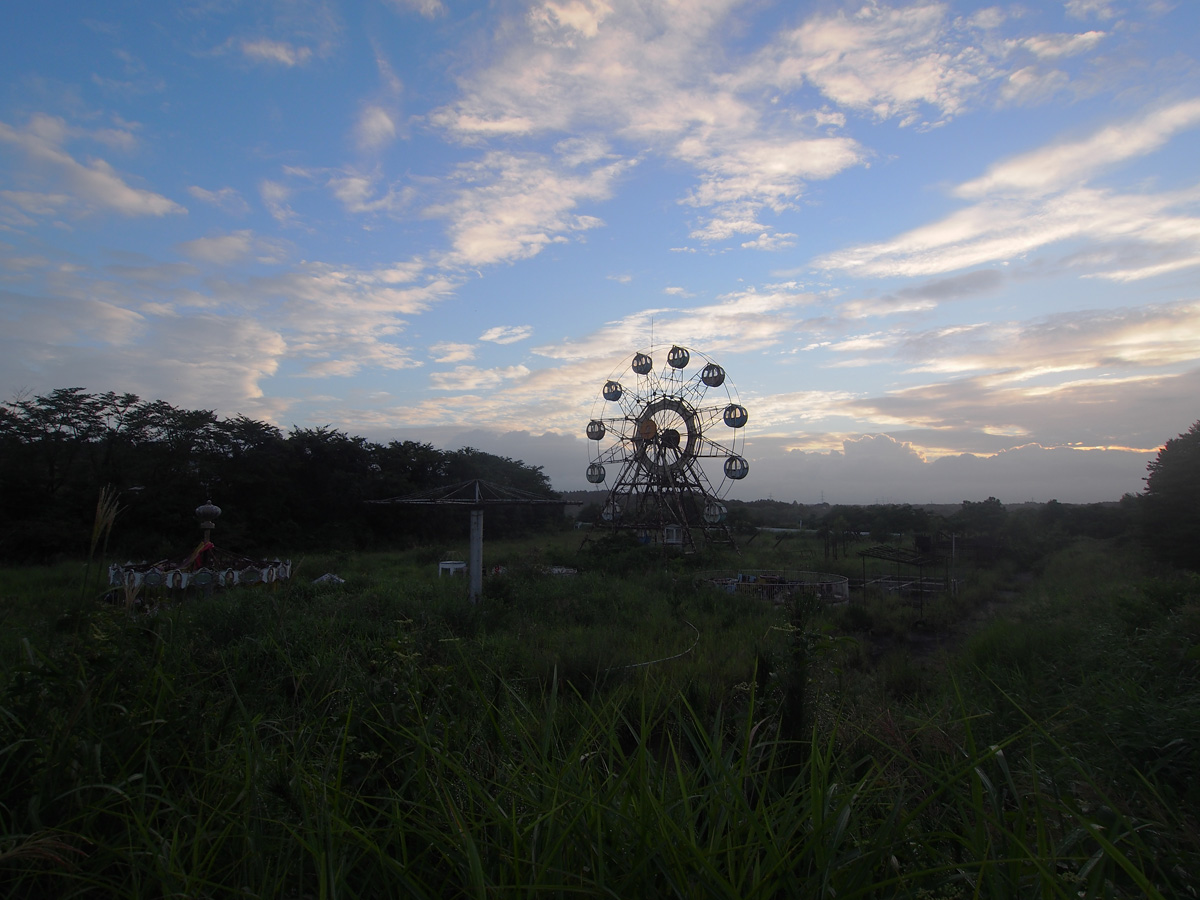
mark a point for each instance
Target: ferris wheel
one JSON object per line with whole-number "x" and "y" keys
{"x": 670, "y": 442}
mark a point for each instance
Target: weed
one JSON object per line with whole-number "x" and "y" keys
{"x": 616, "y": 733}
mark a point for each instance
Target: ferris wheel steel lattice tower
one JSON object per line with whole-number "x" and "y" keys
{"x": 672, "y": 439}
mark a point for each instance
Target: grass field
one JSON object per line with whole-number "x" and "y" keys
{"x": 623, "y": 732}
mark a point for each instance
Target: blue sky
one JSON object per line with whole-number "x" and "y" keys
{"x": 943, "y": 250}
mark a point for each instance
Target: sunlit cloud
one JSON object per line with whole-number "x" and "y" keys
{"x": 1053, "y": 46}
{"x": 736, "y": 322}
{"x": 767, "y": 241}
{"x": 469, "y": 378}
{"x": 641, "y": 72}
{"x": 741, "y": 177}
{"x": 888, "y": 62}
{"x": 1042, "y": 198}
{"x": 1006, "y": 230}
{"x": 1108, "y": 340}
{"x": 1070, "y": 163}
{"x": 333, "y": 321}
{"x": 451, "y": 352}
{"x": 1032, "y": 85}
{"x": 513, "y": 206}
{"x": 779, "y": 412}
{"x": 507, "y": 334}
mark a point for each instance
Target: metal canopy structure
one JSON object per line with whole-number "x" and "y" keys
{"x": 920, "y": 585}
{"x": 902, "y": 556}
{"x": 476, "y": 495}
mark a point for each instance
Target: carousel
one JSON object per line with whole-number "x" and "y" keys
{"x": 205, "y": 568}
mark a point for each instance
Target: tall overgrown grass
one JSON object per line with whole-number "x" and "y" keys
{"x": 384, "y": 738}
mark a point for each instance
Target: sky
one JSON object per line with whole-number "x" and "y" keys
{"x": 944, "y": 251}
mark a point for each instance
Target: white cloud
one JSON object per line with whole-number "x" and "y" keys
{"x": 736, "y": 322}
{"x": 786, "y": 409}
{"x": 553, "y": 18}
{"x": 1057, "y": 166}
{"x": 55, "y": 323}
{"x": 643, "y": 74}
{"x": 741, "y": 175}
{"x": 224, "y": 249}
{"x": 1005, "y": 230}
{"x": 275, "y": 195}
{"x": 880, "y": 60}
{"x": 94, "y": 186}
{"x": 1040, "y": 199}
{"x": 988, "y": 18}
{"x": 450, "y": 352}
{"x": 1046, "y": 352}
{"x": 358, "y": 193}
{"x": 281, "y": 52}
{"x": 469, "y": 378}
{"x": 1053, "y": 46}
{"x": 767, "y": 241}
{"x": 101, "y": 346}
{"x": 507, "y": 334}
{"x": 1083, "y": 9}
{"x": 428, "y": 8}
{"x": 225, "y": 198}
{"x": 1032, "y": 85}
{"x": 339, "y": 321}
{"x": 515, "y": 205}
{"x": 330, "y": 320}
{"x": 925, "y": 296}
{"x": 33, "y": 203}
{"x": 221, "y": 249}
{"x": 881, "y": 469}
{"x": 375, "y": 128}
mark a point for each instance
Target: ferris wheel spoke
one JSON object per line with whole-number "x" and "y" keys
{"x": 709, "y": 448}
{"x": 611, "y": 455}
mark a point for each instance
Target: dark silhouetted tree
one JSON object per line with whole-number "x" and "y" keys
{"x": 983, "y": 517}
{"x": 304, "y": 490}
{"x": 1171, "y": 504}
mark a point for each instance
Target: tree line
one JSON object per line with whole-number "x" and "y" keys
{"x": 279, "y": 493}
{"x": 309, "y": 489}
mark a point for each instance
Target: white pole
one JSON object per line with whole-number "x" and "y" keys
{"x": 476, "y": 560}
